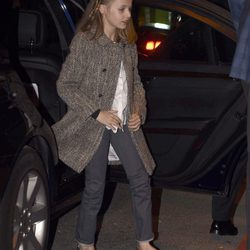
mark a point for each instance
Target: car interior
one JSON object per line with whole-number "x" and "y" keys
{"x": 41, "y": 60}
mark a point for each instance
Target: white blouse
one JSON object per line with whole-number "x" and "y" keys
{"x": 120, "y": 99}
{"x": 120, "y": 105}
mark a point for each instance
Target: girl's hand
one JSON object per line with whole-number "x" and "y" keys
{"x": 134, "y": 122}
{"x": 109, "y": 119}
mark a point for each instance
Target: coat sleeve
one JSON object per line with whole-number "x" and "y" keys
{"x": 139, "y": 104}
{"x": 71, "y": 77}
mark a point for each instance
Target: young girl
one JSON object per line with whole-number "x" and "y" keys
{"x": 99, "y": 82}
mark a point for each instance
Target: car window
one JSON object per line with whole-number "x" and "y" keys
{"x": 46, "y": 32}
{"x": 166, "y": 35}
{"x": 225, "y": 48}
{"x": 75, "y": 9}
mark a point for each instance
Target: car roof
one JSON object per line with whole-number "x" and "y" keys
{"x": 209, "y": 4}
{"x": 211, "y": 10}
{"x": 221, "y": 3}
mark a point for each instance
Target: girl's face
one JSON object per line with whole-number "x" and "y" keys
{"x": 116, "y": 14}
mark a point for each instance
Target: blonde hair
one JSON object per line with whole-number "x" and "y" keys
{"x": 92, "y": 20}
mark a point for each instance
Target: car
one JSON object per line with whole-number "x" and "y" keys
{"x": 27, "y": 156}
{"x": 196, "y": 122}
{"x": 196, "y": 114}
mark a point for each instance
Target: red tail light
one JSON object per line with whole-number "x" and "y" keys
{"x": 152, "y": 45}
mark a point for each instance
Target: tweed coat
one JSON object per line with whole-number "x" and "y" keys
{"x": 87, "y": 82}
{"x": 240, "y": 12}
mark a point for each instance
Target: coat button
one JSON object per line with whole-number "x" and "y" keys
{"x": 104, "y": 70}
{"x": 100, "y": 95}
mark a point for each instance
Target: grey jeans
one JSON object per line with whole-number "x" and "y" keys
{"x": 95, "y": 175}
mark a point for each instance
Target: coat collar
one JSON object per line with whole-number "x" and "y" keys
{"x": 104, "y": 41}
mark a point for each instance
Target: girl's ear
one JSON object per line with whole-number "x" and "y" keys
{"x": 102, "y": 8}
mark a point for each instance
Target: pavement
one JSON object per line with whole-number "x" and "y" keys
{"x": 181, "y": 221}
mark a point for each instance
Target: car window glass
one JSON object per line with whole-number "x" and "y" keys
{"x": 75, "y": 9}
{"x": 225, "y": 48}
{"x": 46, "y": 31}
{"x": 169, "y": 35}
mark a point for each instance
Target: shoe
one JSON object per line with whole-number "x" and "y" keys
{"x": 152, "y": 246}
{"x": 84, "y": 248}
{"x": 223, "y": 228}
{"x": 243, "y": 243}
{"x": 79, "y": 247}
{"x": 138, "y": 248}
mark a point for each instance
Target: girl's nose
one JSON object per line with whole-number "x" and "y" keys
{"x": 128, "y": 13}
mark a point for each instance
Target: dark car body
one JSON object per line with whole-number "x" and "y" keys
{"x": 28, "y": 154}
{"x": 196, "y": 119}
{"x": 21, "y": 125}
{"x": 196, "y": 113}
